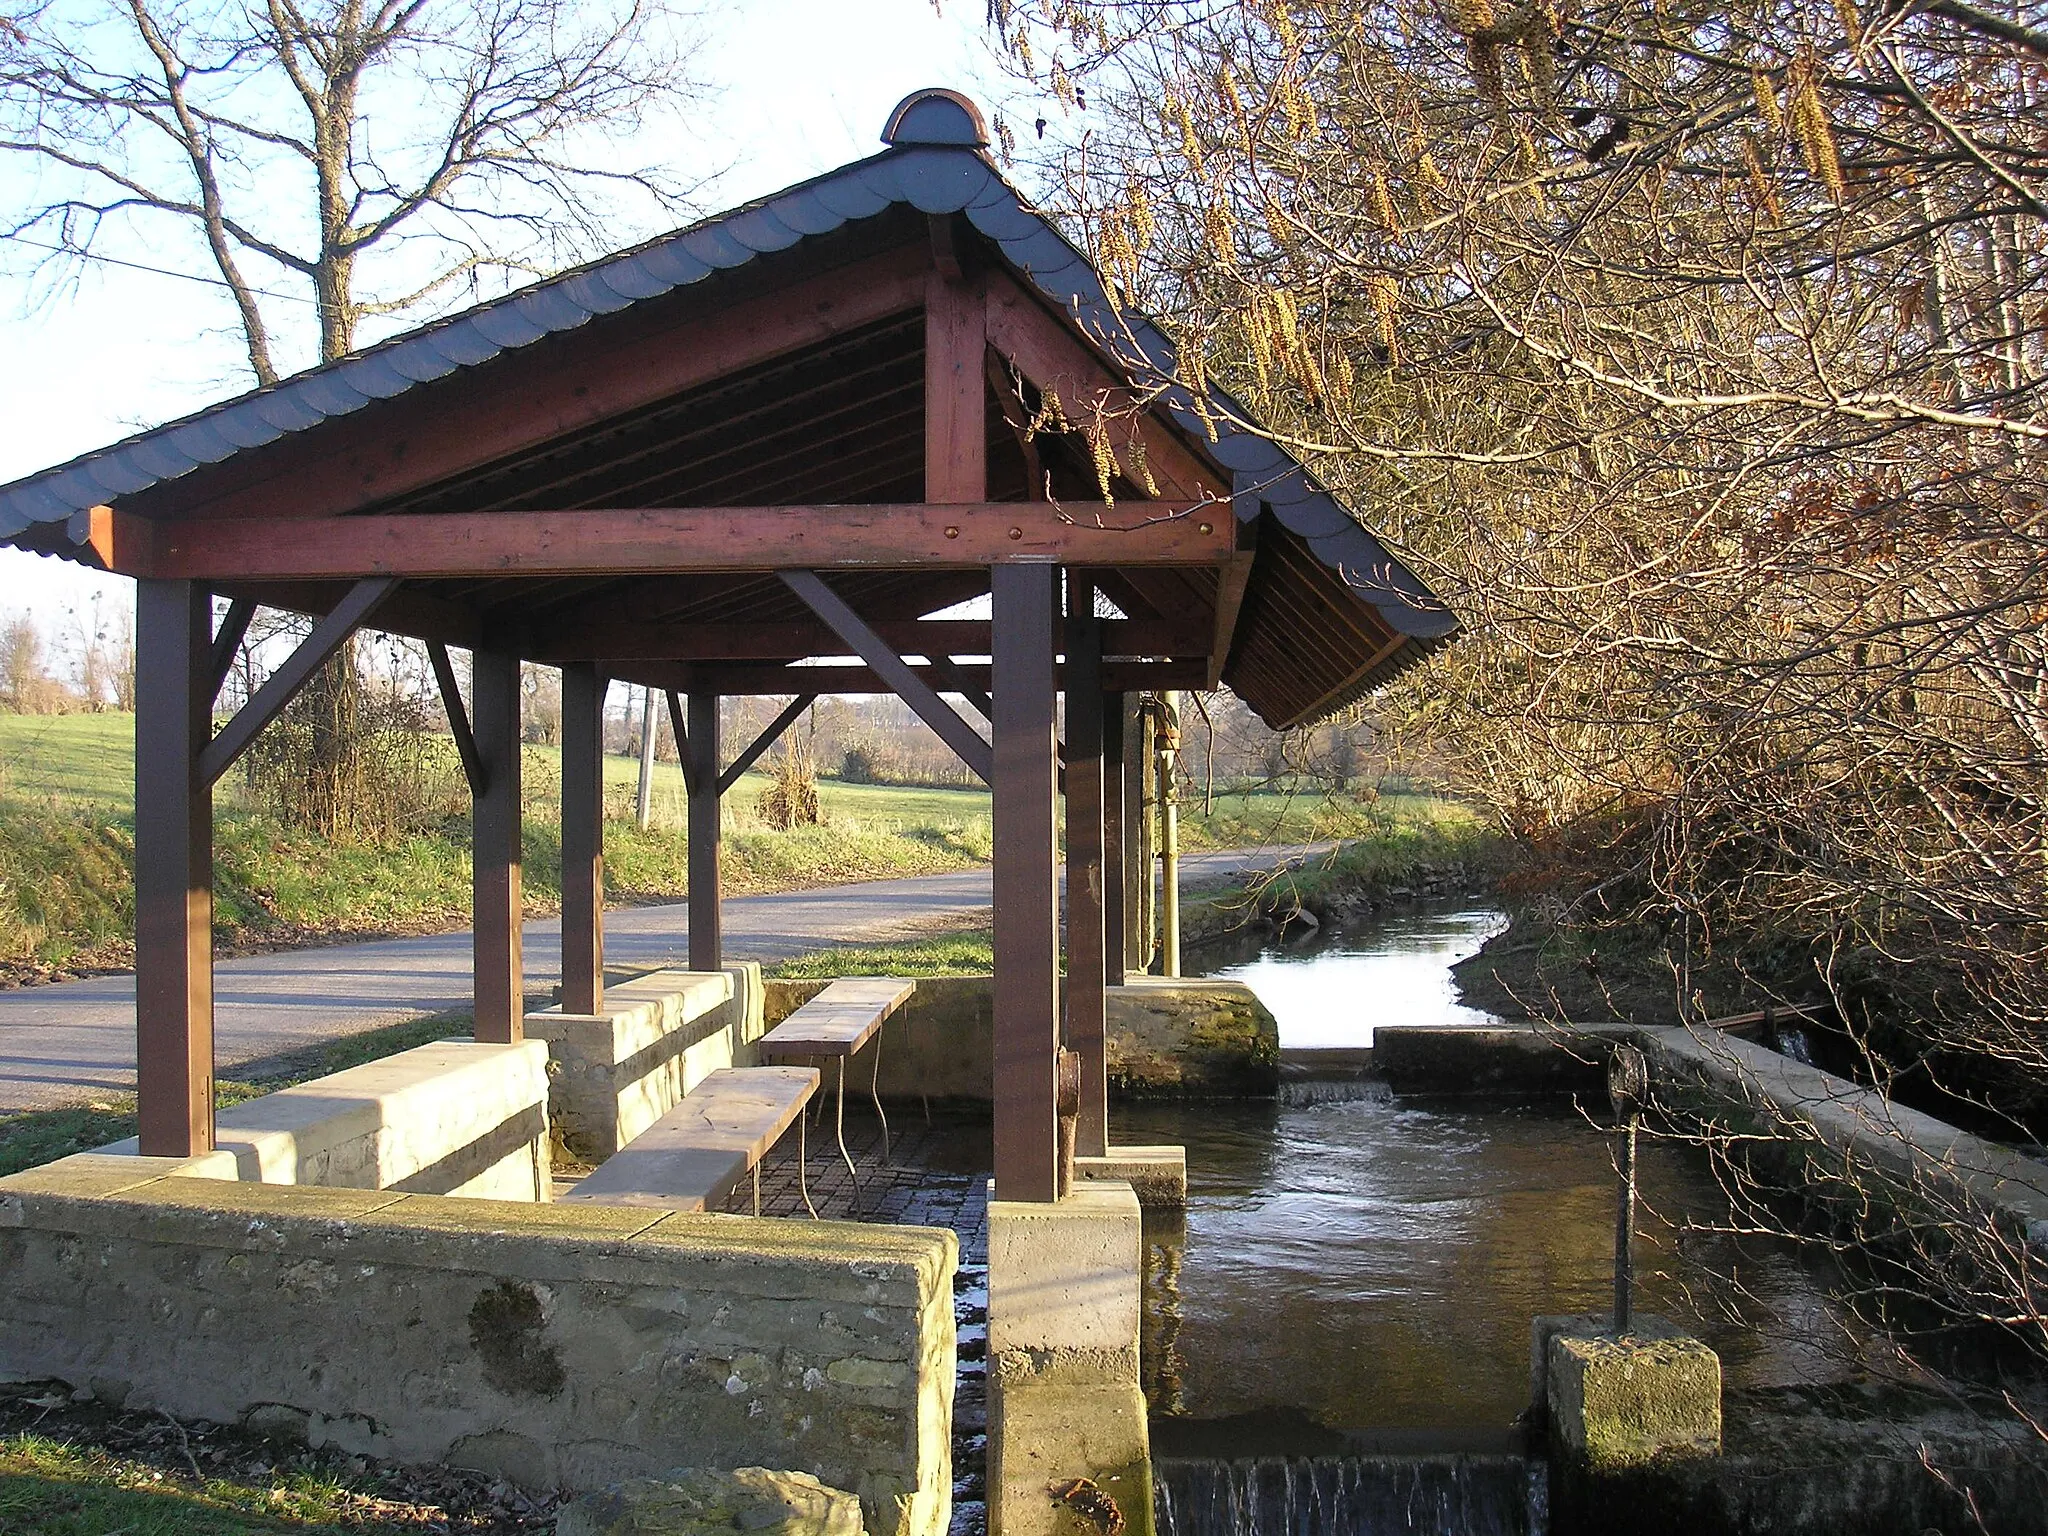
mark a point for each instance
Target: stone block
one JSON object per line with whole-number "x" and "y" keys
{"x": 452, "y": 1118}
{"x": 1174, "y": 1038}
{"x": 1157, "y": 1175}
{"x": 1619, "y": 1401}
{"x": 1064, "y": 1277}
{"x": 615, "y": 1073}
{"x": 748, "y": 1501}
{"x": 1064, "y": 1396}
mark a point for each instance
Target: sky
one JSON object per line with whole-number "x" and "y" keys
{"x": 802, "y": 86}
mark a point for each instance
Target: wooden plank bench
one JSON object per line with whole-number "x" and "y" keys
{"x": 836, "y": 1024}
{"x": 694, "y": 1156}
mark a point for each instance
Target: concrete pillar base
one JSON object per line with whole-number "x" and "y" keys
{"x": 1158, "y": 1175}
{"x": 1611, "y": 1401}
{"x": 1064, "y": 1400}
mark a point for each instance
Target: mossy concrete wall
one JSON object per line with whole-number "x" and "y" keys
{"x": 557, "y": 1346}
{"x": 1166, "y": 1038}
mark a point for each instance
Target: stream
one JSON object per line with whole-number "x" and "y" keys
{"x": 1338, "y": 1335}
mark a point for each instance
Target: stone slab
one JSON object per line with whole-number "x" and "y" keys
{"x": 1510, "y": 1060}
{"x": 1064, "y": 1277}
{"x": 455, "y": 1117}
{"x": 617, "y": 1072}
{"x": 694, "y": 1155}
{"x": 1621, "y": 1401}
{"x": 1157, "y": 1175}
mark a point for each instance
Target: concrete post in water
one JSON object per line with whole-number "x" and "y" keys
{"x": 1628, "y": 1087}
{"x": 1169, "y": 835}
{"x": 643, "y": 806}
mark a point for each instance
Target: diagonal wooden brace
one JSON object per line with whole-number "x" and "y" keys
{"x": 892, "y": 669}
{"x": 765, "y": 740}
{"x": 283, "y": 685}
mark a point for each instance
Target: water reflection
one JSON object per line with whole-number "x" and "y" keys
{"x": 1374, "y": 1263}
{"x": 1396, "y": 972}
{"x": 1377, "y": 1263}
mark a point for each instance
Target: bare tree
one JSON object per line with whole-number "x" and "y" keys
{"x": 375, "y": 157}
{"x": 1697, "y": 353}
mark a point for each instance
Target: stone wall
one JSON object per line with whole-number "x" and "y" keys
{"x": 558, "y": 1346}
{"x": 1167, "y": 1038}
{"x": 615, "y": 1073}
{"x": 452, "y": 1118}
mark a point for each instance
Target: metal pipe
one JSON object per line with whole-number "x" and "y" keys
{"x": 1169, "y": 835}
{"x": 643, "y": 807}
{"x": 1628, "y": 1089}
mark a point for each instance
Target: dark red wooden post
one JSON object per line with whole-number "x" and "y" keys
{"x": 955, "y": 391}
{"x": 1113, "y": 882}
{"x": 173, "y": 868}
{"x": 1025, "y": 751}
{"x": 582, "y": 838}
{"x": 707, "y": 936}
{"x": 495, "y": 852}
{"x": 1086, "y": 968}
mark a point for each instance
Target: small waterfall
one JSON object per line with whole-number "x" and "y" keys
{"x": 1441, "y": 1495}
{"x": 1300, "y": 1092}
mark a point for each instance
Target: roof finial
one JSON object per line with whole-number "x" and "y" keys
{"x": 936, "y": 116}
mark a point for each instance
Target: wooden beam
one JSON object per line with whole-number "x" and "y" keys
{"x": 297, "y": 669}
{"x": 952, "y": 678}
{"x": 672, "y": 540}
{"x": 1087, "y": 1006}
{"x": 955, "y": 391}
{"x": 1231, "y": 579}
{"x": 408, "y": 611}
{"x": 1045, "y": 350}
{"x": 740, "y": 680}
{"x": 173, "y": 870}
{"x": 902, "y": 678}
{"x": 765, "y": 740}
{"x": 496, "y": 845}
{"x": 1026, "y": 987}
{"x": 580, "y": 637}
{"x": 558, "y": 385}
{"x": 707, "y": 923}
{"x": 458, "y": 718}
{"x": 617, "y": 541}
{"x": 229, "y": 641}
{"x": 678, "y": 729}
{"x": 583, "y": 690}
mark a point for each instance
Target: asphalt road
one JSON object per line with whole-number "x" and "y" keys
{"x": 75, "y": 1040}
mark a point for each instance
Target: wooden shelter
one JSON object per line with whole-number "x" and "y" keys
{"x": 709, "y": 465}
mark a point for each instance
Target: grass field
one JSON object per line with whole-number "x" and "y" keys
{"x": 67, "y": 848}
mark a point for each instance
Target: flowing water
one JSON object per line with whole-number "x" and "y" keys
{"x": 1338, "y": 1337}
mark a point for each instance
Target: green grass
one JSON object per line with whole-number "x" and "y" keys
{"x": 67, "y": 845}
{"x": 54, "y": 1488}
{"x": 968, "y": 953}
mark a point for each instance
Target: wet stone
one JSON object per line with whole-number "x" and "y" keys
{"x": 700, "y": 1502}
